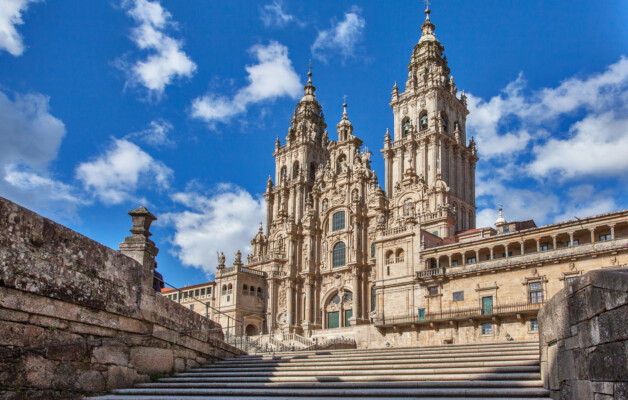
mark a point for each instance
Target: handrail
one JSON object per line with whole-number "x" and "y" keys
{"x": 461, "y": 313}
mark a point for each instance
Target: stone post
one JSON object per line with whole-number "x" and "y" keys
{"x": 140, "y": 248}
{"x": 308, "y": 300}
{"x": 355, "y": 288}
{"x": 289, "y": 300}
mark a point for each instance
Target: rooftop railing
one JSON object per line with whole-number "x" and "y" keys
{"x": 461, "y": 313}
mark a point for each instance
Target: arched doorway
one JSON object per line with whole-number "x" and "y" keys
{"x": 339, "y": 310}
{"x": 250, "y": 330}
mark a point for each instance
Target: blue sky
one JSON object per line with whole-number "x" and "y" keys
{"x": 106, "y": 105}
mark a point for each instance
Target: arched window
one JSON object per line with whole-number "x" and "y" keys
{"x": 389, "y": 256}
{"x": 444, "y": 121}
{"x": 338, "y": 221}
{"x": 399, "y": 255}
{"x": 259, "y": 292}
{"x": 423, "y": 120}
{"x": 373, "y": 298}
{"x": 312, "y": 170}
{"x": 339, "y": 258}
{"x": 335, "y": 299}
{"x": 405, "y": 126}
{"x": 245, "y": 288}
{"x": 295, "y": 170}
{"x": 229, "y": 289}
{"x": 348, "y": 297}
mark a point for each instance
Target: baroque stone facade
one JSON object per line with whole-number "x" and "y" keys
{"x": 403, "y": 265}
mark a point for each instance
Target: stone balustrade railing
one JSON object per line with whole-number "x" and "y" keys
{"x": 242, "y": 269}
{"x": 395, "y": 231}
{"x": 430, "y": 273}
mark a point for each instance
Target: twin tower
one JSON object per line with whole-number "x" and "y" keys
{"x": 332, "y": 243}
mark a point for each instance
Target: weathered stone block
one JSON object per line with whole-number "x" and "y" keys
{"x": 91, "y": 381}
{"x": 613, "y": 325}
{"x": 111, "y": 353}
{"x": 607, "y": 362}
{"x": 150, "y": 360}
{"x": 119, "y": 377}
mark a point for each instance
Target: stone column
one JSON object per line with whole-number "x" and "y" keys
{"x": 592, "y": 235}
{"x": 289, "y": 301}
{"x": 570, "y": 239}
{"x": 553, "y": 242}
{"x": 365, "y": 294}
{"x": 522, "y": 248}
{"x": 538, "y": 245}
{"x": 355, "y": 288}
{"x": 506, "y": 251}
{"x": 612, "y": 232}
{"x": 271, "y": 304}
{"x": 143, "y": 250}
{"x": 492, "y": 255}
{"x": 308, "y": 299}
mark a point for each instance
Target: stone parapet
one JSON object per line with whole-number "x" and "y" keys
{"x": 584, "y": 338}
{"x": 77, "y": 317}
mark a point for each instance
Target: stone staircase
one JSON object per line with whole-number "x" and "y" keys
{"x": 507, "y": 370}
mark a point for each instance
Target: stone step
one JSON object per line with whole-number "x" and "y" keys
{"x": 513, "y": 376}
{"x": 342, "y": 372}
{"x": 351, "y": 393}
{"x": 157, "y": 397}
{"x": 496, "y": 355}
{"x": 379, "y": 366}
{"x": 359, "y": 362}
{"x": 406, "y": 350}
{"x": 348, "y": 385}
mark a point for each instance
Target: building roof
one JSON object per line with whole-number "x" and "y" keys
{"x": 167, "y": 290}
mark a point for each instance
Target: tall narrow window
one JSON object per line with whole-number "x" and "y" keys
{"x": 405, "y": 126}
{"x": 421, "y": 314}
{"x": 339, "y": 255}
{"x": 373, "y": 298}
{"x": 372, "y": 250}
{"x": 536, "y": 292}
{"x": 338, "y": 221}
{"x": 423, "y": 120}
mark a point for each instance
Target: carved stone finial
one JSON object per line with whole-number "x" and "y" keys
{"x": 142, "y": 219}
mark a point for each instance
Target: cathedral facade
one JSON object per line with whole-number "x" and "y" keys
{"x": 402, "y": 263}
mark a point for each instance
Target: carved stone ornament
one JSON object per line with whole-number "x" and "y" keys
{"x": 282, "y": 319}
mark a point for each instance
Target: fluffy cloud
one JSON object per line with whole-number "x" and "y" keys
{"x": 225, "y": 220}
{"x": 166, "y": 61}
{"x": 30, "y": 136}
{"x": 273, "y": 14}
{"x": 11, "y": 15}
{"x": 525, "y": 118}
{"x": 157, "y": 134}
{"x": 116, "y": 175}
{"x": 272, "y": 77}
{"x": 342, "y": 37}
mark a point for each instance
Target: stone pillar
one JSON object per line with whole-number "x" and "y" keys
{"x": 570, "y": 239}
{"x": 506, "y": 251}
{"x": 271, "y": 304}
{"x": 492, "y": 255}
{"x": 143, "y": 250}
{"x": 308, "y": 300}
{"x": 553, "y": 242}
{"x": 538, "y": 245}
{"x": 289, "y": 301}
{"x": 355, "y": 288}
{"x": 613, "y": 232}
{"x": 522, "y": 248}
{"x": 366, "y": 293}
{"x": 592, "y": 235}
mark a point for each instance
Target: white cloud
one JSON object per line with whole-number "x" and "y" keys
{"x": 115, "y": 176}
{"x": 157, "y": 134}
{"x": 596, "y": 146}
{"x": 225, "y": 220}
{"x": 167, "y": 60}
{"x": 10, "y": 16}
{"x": 529, "y": 116}
{"x": 271, "y": 78}
{"x": 273, "y": 14}
{"x": 342, "y": 37}
{"x": 30, "y": 137}
{"x": 29, "y": 134}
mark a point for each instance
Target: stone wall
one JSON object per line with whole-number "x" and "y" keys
{"x": 77, "y": 317}
{"x": 584, "y": 338}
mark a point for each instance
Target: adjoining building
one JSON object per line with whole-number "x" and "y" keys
{"x": 404, "y": 265}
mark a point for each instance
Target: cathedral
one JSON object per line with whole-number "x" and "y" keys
{"x": 400, "y": 263}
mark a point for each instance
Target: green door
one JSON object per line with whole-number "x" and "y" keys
{"x": 421, "y": 314}
{"x": 487, "y": 305}
{"x": 333, "y": 319}
{"x": 348, "y": 314}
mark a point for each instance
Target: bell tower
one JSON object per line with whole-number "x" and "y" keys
{"x": 429, "y": 155}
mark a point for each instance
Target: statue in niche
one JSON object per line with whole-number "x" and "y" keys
{"x": 408, "y": 208}
{"x": 325, "y": 205}
{"x": 355, "y": 196}
{"x": 280, "y": 243}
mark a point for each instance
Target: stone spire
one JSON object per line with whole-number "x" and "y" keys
{"x": 308, "y": 120}
{"x": 344, "y": 127}
{"x": 427, "y": 28}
